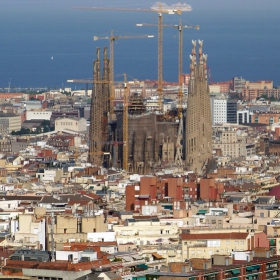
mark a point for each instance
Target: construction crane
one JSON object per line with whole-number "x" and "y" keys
{"x": 180, "y": 28}
{"x": 112, "y": 38}
{"x": 125, "y": 124}
{"x": 160, "y": 8}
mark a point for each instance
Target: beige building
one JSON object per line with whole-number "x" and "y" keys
{"x": 228, "y": 143}
{"x": 199, "y": 244}
{"x": 74, "y": 124}
{"x": 145, "y": 232}
{"x": 68, "y": 228}
{"x": 31, "y": 232}
{"x": 259, "y": 85}
{"x": 9, "y": 122}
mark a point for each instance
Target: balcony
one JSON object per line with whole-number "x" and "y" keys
{"x": 201, "y": 244}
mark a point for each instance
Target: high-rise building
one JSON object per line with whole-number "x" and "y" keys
{"x": 231, "y": 111}
{"x": 238, "y": 84}
{"x": 198, "y": 118}
{"x": 218, "y": 110}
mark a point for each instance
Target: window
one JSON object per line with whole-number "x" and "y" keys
{"x": 236, "y": 242}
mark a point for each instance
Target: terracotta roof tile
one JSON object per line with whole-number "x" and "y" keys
{"x": 216, "y": 235}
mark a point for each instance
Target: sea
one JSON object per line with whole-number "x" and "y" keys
{"x": 45, "y": 43}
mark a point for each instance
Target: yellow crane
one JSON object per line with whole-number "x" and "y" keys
{"x": 159, "y": 8}
{"x": 112, "y": 38}
{"x": 180, "y": 28}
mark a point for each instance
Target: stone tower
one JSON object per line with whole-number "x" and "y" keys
{"x": 198, "y": 119}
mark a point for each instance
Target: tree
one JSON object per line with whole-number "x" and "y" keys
{"x": 21, "y": 131}
{"x": 46, "y": 124}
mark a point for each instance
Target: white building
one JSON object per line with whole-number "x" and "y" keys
{"x": 101, "y": 236}
{"x": 244, "y": 116}
{"x": 76, "y": 256}
{"x": 38, "y": 115}
{"x": 218, "y": 110}
{"x": 74, "y": 124}
{"x": 50, "y": 175}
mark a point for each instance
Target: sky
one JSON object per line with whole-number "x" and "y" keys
{"x": 51, "y": 5}
{"x": 31, "y": 25}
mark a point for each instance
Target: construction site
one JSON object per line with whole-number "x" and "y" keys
{"x": 142, "y": 141}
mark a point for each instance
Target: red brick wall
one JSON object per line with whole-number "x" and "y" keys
{"x": 130, "y": 198}
{"x": 261, "y": 240}
{"x": 207, "y": 189}
{"x": 148, "y": 186}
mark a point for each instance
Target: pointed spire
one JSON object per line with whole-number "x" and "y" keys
{"x": 200, "y": 42}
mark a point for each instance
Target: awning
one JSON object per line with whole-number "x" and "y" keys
{"x": 253, "y": 267}
{"x": 249, "y": 268}
{"x": 201, "y": 212}
{"x": 168, "y": 207}
{"x": 173, "y": 239}
{"x": 157, "y": 256}
{"x": 142, "y": 265}
{"x": 210, "y": 274}
{"x": 144, "y": 196}
{"x": 272, "y": 242}
{"x": 235, "y": 271}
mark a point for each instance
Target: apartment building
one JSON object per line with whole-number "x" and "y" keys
{"x": 229, "y": 143}
{"x": 145, "y": 231}
{"x": 32, "y": 230}
{"x": 9, "y": 122}
{"x": 218, "y": 110}
{"x": 266, "y": 118}
{"x": 152, "y": 189}
{"x": 199, "y": 244}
